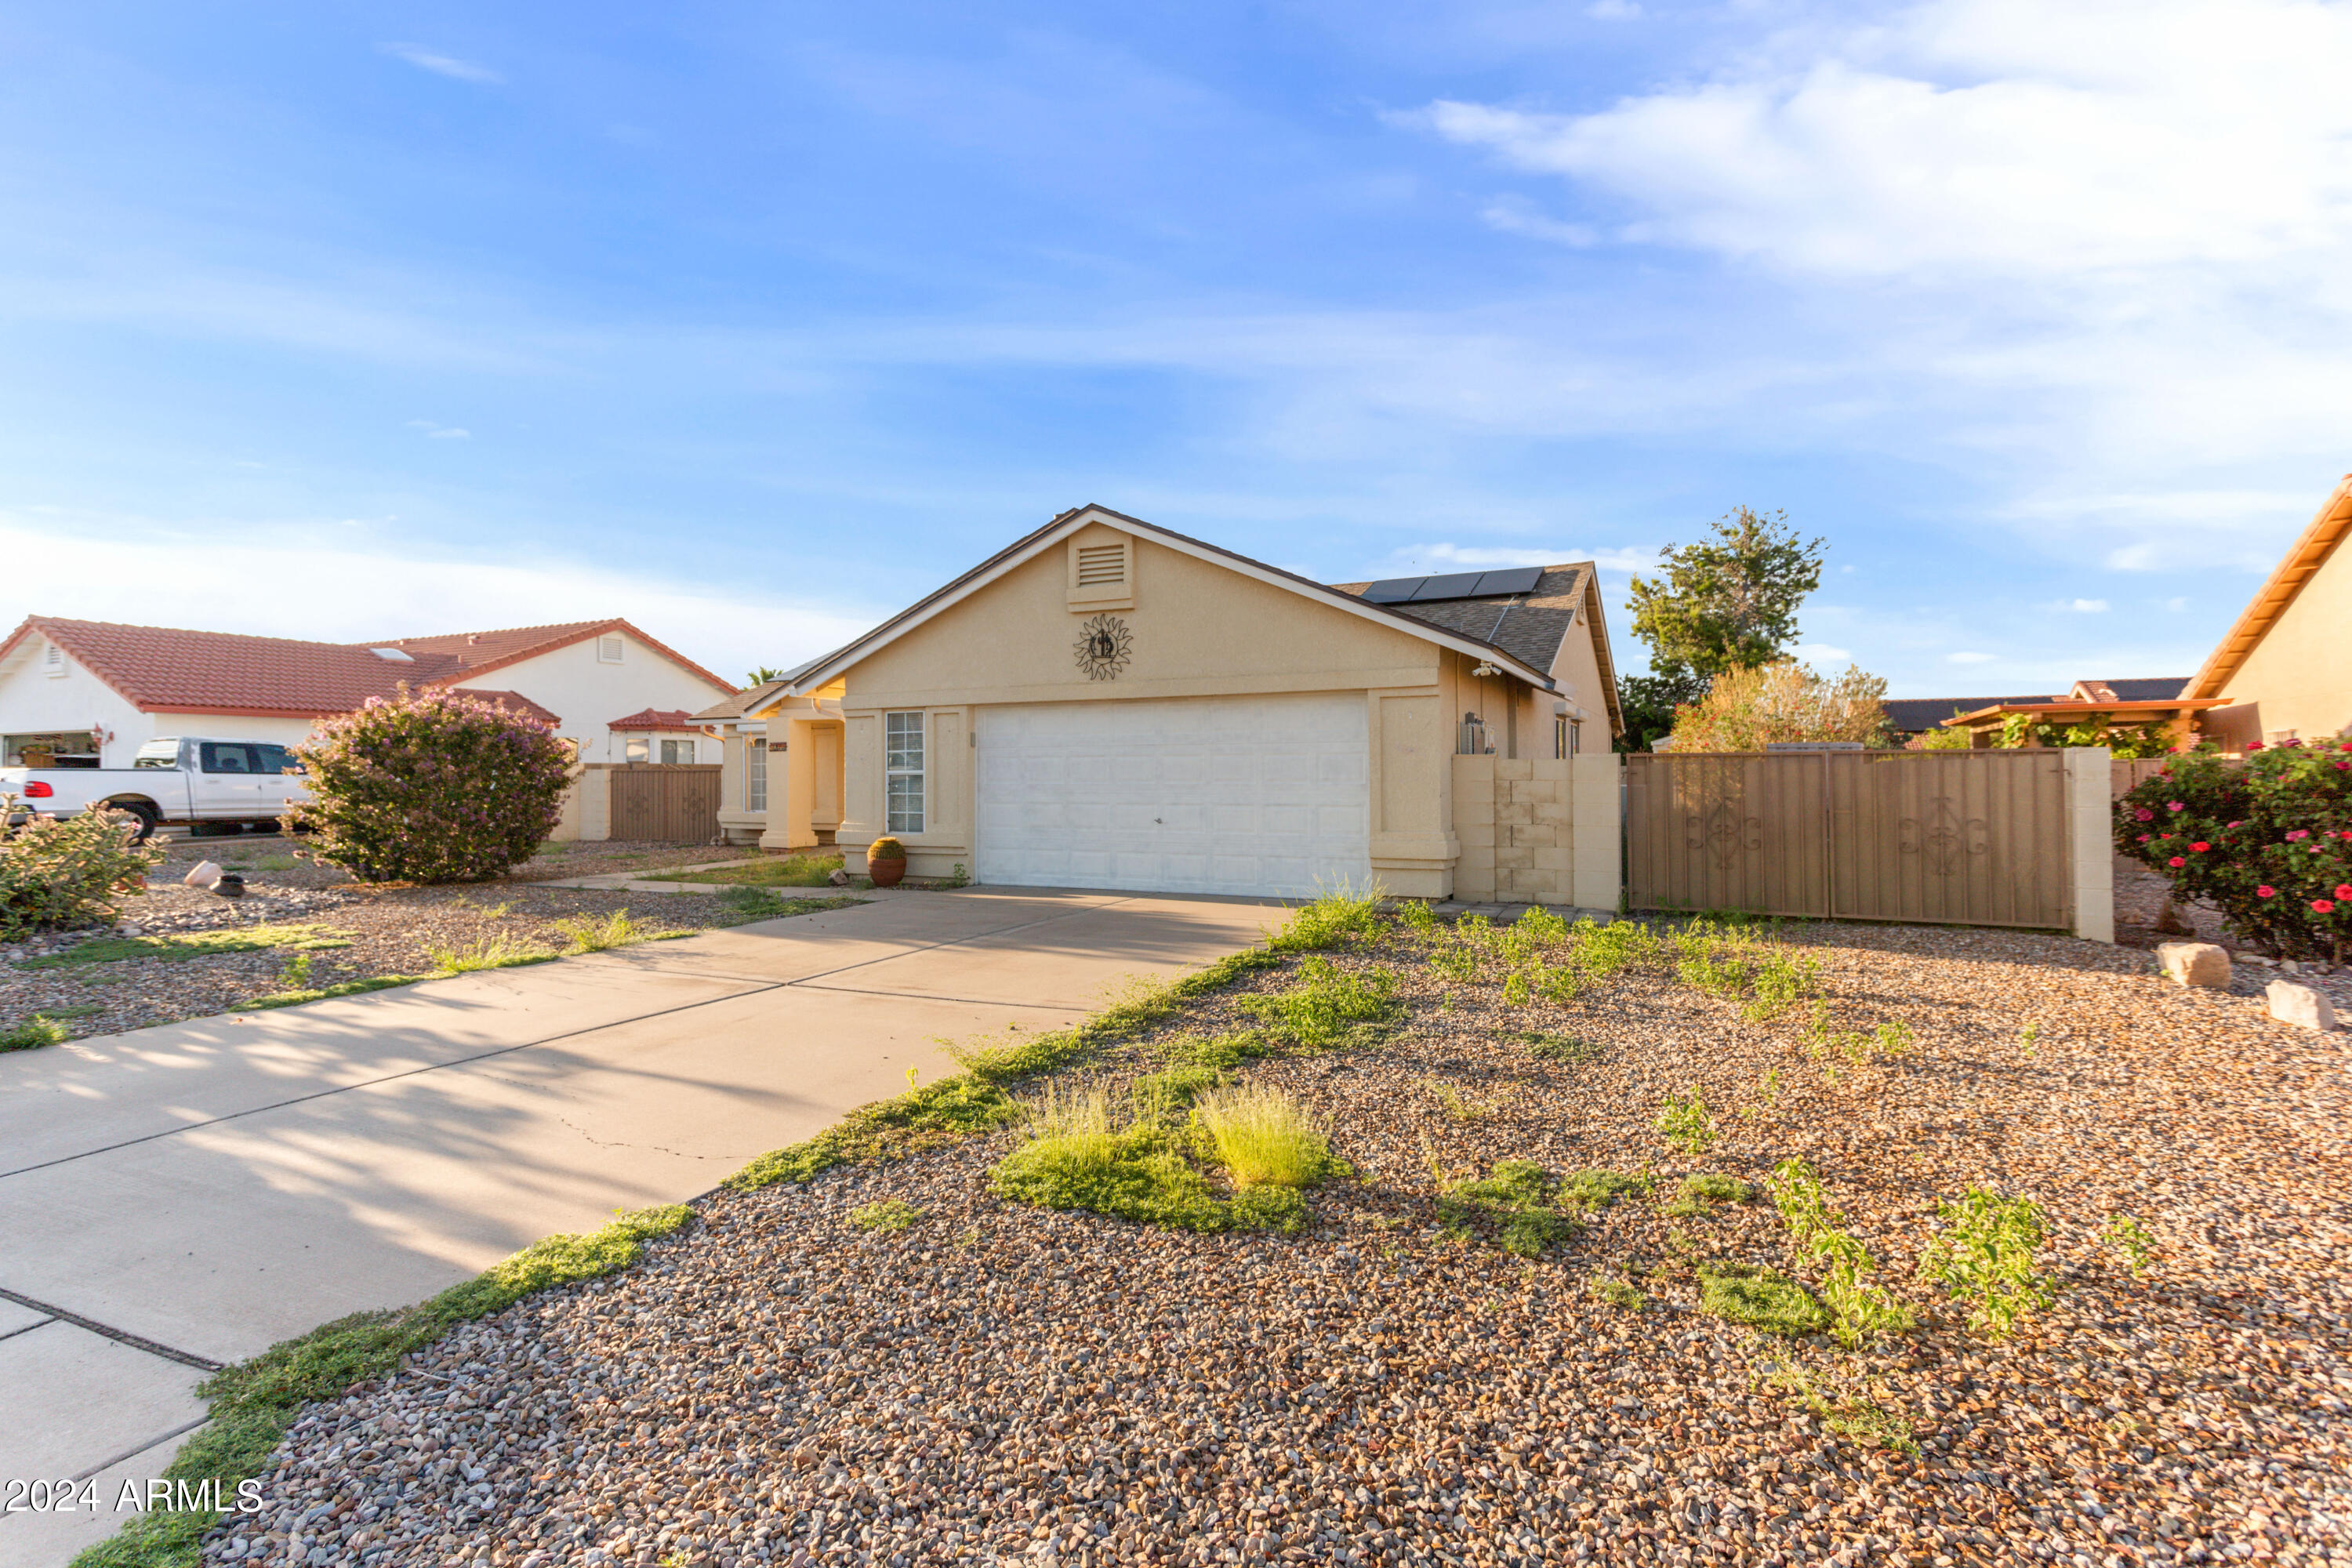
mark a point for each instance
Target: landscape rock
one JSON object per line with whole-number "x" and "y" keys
{"x": 2195, "y": 964}
{"x": 202, "y": 874}
{"x": 2305, "y": 1007}
{"x": 840, "y": 878}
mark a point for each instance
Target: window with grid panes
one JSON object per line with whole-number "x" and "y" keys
{"x": 755, "y": 774}
{"x": 902, "y": 772}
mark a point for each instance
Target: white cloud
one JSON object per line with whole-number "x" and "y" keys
{"x": 1516, "y": 215}
{"x": 440, "y": 63}
{"x": 1969, "y": 657}
{"x": 1823, "y": 653}
{"x": 434, "y": 432}
{"x": 1612, "y": 10}
{"x": 291, "y": 581}
{"x": 2099, "y": 239}
{"x": 2083, "y": 606}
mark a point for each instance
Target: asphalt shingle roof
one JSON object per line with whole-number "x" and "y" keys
{"x": 1530, "y": 625}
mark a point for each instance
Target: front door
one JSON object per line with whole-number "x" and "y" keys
{"x": 825, "y": 792}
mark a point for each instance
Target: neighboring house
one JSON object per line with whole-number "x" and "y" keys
{"x": 90, "y": 692}
{"x": 2282, "y": 670}
{"x": 1107, "y": 703}
{"x": 2152, "y": 700}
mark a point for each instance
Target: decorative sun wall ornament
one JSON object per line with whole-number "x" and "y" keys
{"x": 1103, "y": 646}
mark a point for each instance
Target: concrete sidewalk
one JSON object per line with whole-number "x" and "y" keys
{"x": 186, "y": 1195}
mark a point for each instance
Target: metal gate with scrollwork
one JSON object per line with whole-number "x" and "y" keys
{"x": 1946, "y": 838}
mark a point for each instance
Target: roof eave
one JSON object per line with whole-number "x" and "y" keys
{"x": 2302, "y": 561}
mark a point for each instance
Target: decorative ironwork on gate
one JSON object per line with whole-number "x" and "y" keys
{"x": 1965, "y": 838}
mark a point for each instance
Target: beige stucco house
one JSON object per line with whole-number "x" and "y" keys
{"x": 2283, "y": 667}
{"x": 1107, "y": 703}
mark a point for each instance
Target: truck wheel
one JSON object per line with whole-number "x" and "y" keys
{"x": 140, "y": 813}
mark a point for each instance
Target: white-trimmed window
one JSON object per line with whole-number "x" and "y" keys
{"x": 755, "y": 774}
{"x": 637, "y": 749}
{"x": 677, "y": 754}
{"x": 902, "y": 772}
{"x": 608, "y": 650}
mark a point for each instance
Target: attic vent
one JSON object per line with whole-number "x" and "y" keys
{"x": 1101, "y": 566}
{"x": 392, "y": 654}
{"x": 53, "y": 660}
{"x": 608, "y": 650}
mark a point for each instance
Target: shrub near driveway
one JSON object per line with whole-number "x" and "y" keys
{"x": 1000, "y": 1380}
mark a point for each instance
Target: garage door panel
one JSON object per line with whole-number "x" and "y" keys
{"x": 1255, "y": 795}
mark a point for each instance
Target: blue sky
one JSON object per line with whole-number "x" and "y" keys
{"x": 753, "y": 323}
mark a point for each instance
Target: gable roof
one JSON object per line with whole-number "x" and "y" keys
{"x": 1917, "y": 715}
{"x": 2303, "y": 560}
{"x": 657, "y": 719}
{"x": 1533, "y": 625}
{"x": 170, "y": 669}
{"x": 819, "y": 671}
{"x": 512, "y": 701}
{"x": 2155, "y": 689}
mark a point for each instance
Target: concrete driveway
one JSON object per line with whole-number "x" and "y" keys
{"x": 185, "y": 1196}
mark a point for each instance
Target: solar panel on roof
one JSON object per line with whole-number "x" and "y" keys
{"x": 1392, "y": 590}
{"x": 1510, "y": 580}
{"x": 1452, "y": 585}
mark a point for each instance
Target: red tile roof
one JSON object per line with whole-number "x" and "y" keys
{"x": 512, "y": 701}
{"x": 167, "y": 669}
{"x": 657, "y": 719}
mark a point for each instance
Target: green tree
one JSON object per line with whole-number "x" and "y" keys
{"x": 1726, "y": 603}
{"x": 761, "y": 676}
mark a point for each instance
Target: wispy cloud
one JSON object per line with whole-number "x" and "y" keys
{"x": 1969, "y": 657}
{"x": 2081, "y": 606}
{"x": 1823, "y": 653}
{"x": 436, "y": 432}
{"x": 282, "y": 580}
{"x": 440, "y": 63}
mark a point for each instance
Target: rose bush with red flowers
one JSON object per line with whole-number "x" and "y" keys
{"x": 2270, "y": 842}
{"x": 435, "y": 786}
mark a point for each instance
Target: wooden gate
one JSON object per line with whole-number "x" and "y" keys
{"x": 1956, "y": 837}
{"x": 673, "y": 803}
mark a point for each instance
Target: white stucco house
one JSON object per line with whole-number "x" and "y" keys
{"x": 89, "y": 693}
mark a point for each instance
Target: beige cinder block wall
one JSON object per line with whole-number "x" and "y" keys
{"x": 2297, "y": 680}
{"x": 1539, "y": 830}
{"x": 1200, "y": 631}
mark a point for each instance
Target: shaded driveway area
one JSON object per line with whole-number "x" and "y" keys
{"x": 183, "y": 1197}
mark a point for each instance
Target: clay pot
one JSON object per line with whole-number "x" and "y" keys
{"x": 885, "y": 873}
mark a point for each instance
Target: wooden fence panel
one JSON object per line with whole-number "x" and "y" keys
{"x": 675, "y": 803}
{"x": 1953, "y": 837}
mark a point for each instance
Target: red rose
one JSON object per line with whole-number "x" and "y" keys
{"x": 2344, "y": 889}
{"x": 2200, "y": 847}
{"x": 2266, "y": 892}
{"x": 2177, "y": 860}
{"x": 2323, "y": 906}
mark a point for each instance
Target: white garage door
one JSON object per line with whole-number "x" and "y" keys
{"x": 1221, "y": 794}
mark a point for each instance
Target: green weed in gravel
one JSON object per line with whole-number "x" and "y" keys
{"x": 1619, "y": 1293}
{"x": 1338, "y": 919}
{"x": 322, "y": 993}
{"x": 1262, "y": 1138}
{"x": 34, "y": 1033}
{"x": 1845, "y": 1406}
{"x": 503, "y": 951}
{"x": 1168, "y": 1094}
{"x": 1595, "y": 1190}
{"x": 1514, "y": 1204}
{"x": 1328, "y": 1006}
{"x": 742, "y": 906}
{"x": 1683, "y": 1119}
{"x": 253, "y": 1403}
{"x": 1861, "y": 1309}
{"x": 1984, "y": 1257}
{"x": 590, "y": 934}
{"x": 2131, "y": 1238}
{"x": 1781, "y": 981}
{"x": 1761, "y": 1299}
{"x": 297, "y": 936}
{"x": 1567, "y": 1048}
{"x": 1075, "y": 1159}
{"x": 774, "y": 871}
{"x": 890, "y": 1215}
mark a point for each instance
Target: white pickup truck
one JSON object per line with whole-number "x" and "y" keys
{"x": 172, "y": 778}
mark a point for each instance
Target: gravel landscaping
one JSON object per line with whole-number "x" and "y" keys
{"x": 888, "y": 1363}
{"x": 355, "y": 931}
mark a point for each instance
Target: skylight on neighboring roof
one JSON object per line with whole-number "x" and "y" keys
{"x": 1455, "y": 585}
{"x": 392, "y": 654}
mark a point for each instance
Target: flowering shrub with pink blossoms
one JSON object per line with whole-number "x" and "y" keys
{"x": 435, "y": 786}
{"x": 2267, "y": 841}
